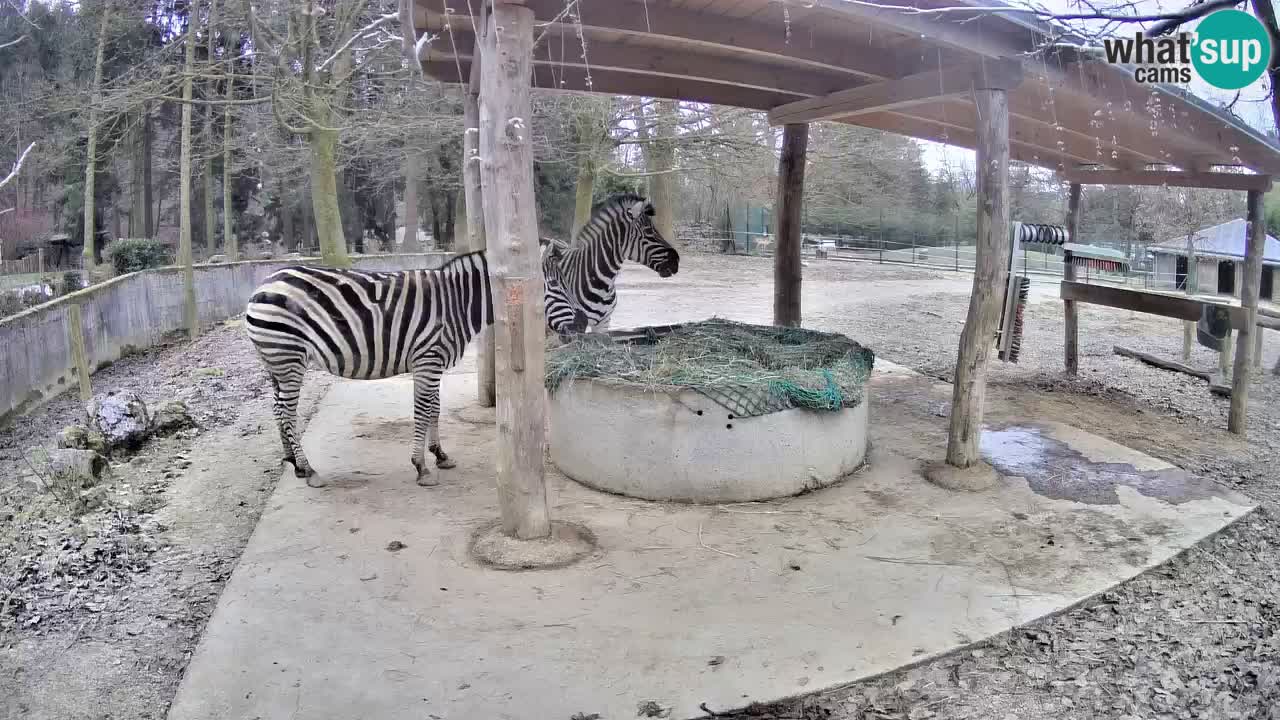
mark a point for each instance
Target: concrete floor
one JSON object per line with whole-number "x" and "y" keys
{"x": 682, "y": 605}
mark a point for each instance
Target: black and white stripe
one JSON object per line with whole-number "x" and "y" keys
{"x": 621, "y": 228}
{"x": 373, "y": 325}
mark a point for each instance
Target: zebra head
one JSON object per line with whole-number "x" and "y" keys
{"x": 563, "y": 317}
{"x": 643, "y": 243}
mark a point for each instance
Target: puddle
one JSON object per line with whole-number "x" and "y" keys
{"x": 1055, "y": 470}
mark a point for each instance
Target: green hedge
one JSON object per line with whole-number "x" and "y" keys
{"x": 132, "y": 254}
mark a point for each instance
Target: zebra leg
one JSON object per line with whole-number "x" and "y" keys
{"x": 426, "y": 419}
{"x": 286, "y": 380}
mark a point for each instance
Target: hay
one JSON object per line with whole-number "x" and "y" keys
{"x": 748, "y": 369}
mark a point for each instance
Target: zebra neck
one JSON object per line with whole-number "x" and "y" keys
{"x": 599, "y": 255}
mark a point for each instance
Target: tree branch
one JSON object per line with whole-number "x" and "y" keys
{"x": 17, "y": 167}
{"x": 11, "y": 43}
{"x": 358, "y": 35}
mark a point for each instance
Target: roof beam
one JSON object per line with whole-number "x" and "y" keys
{"x": 956, "y": 31}
{"x": 697, "y": 28}
{"x": 900, "y": 93}
{"x": 612, "y": 82}
{"x": 1205, "y": 180}
{"x": 561, "y": 47}
{"x": 957, "y": 135}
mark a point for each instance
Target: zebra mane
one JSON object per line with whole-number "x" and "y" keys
{"x": 623, "y": 200}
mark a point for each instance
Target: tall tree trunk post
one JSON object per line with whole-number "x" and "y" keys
{"x": 91, "y": 145}
{"x": 230, "y": 242}
{"x": 149, "y": 220}
{"x": 1251, "y": 287}
{"x": 506, "y": 170}
{"x": 190, "y": 313}
{"x": 786, "y": 256}
{"x": 1071, "y": 318}
{"x": 476, "y": 237}
{"x": 409, "y": 243}
{"x": 663, "y": 186}
{"x": 1190, "y": 286}
{"x": 210, "y": 219}
{"x": 989, "y": 278}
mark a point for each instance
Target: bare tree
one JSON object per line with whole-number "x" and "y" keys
{"x": 91, "y": 150}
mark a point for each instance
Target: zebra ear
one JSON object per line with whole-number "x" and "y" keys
{"x": 641, "y": 207}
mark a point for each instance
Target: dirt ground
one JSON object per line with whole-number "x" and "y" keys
{"x": 99, "y": 613}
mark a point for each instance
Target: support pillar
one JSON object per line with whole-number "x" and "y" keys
{"x": 990, "y": 274}
{"x": 1071, "y": 321}
{"x": 1240, "y": 376}
{"x": 473, "y": 196}
{"x": 511, "y": 228}
{"x": 786, "y": 258}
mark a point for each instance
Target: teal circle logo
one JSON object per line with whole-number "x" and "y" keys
{"x": 1232, "y": 49}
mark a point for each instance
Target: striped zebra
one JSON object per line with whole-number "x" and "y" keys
{"x": 374, "y": 325}
{"x": 621, "y": 228}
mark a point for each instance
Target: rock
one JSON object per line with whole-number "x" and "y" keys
{"x": 266, "y": 255}
{"x": 217, "y": 258}
{"x": 172, "y": 417}
{"x": 76, "y": 468}
{"x": 121, "y": 418}
{"x": 76, "y": 437}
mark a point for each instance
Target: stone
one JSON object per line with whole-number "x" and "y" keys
{"x": 217, "y": 258}
{"x": 121, "y": 418}
{"x": 171, "y": 417}
{"x": 76, "y": 468}
{"x": 77, "y": 437}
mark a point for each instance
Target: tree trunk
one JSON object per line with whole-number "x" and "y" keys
{"x": 229, "y": 240}
{"x": 139, "y": 208}
{"x": 409, "y": 243}
{"x": 184, "y": 192}
{"x": 1251, "y": 285}
{"x": 663, "y": 188}
{"x": 287, "y": 238}
{"x": 485, "y": 382}
{"x": 786, "y": 259}
{"x": 450, "y": 219}
{"x": 210, "y": 219}
{"x": 1071, "y": 319}
{"x": 91, "y": 149}
{"x": 150, "y": 223}
{"x": 324, "y": 197}
{"x": 511, "y": 216}
{"x": 989, "y": 278}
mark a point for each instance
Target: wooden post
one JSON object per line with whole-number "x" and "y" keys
{"x": 990, "y": 274}
{"x": 511, "y": 226}
{"x": 786, "y": 257}
{"x": 1257, "y": 351}
{"x": 79, "y": 356}
{"x": 1071, "y": 320}
{"x": 40, "y": 262}
{"x": 473, "y": 195}
{"x": 1251, "y": 286}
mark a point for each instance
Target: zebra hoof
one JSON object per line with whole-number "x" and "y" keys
{"x": 316, "y": 481}
{"x": 446, "y": 463}
{"x": 426, "y": 479}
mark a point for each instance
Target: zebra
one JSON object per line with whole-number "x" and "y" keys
{"x": 621, "y": 228}
{"x": 374, "y": 325}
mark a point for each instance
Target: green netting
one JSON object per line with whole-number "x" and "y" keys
{"x": 748, "y": 369}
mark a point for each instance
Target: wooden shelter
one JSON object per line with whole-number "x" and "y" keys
{"x": 1000, "y": 82}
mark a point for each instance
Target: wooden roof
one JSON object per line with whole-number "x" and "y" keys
{"x": 1069, "y": 111}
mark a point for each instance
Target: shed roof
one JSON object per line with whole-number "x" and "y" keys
{"x": 1094, "y": 252}
{"x": 1070, "y": 110}
{"x": 1226, "y": 240}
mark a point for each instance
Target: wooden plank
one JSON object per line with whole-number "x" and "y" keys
{"x": 1173, "y": 306}
{"x": 561, "y": 47}
{"x": 79, "y": 356}
{"x": 959, "y": 136}
{"x": 1212, "y": 180}
{"x": 694, "y": 28}
{"x": 486, "y": 385}
{"x": 899, "y": 92}
{"x": 613, "y": 82}
{"x": 511, "y": 225}
{"x": 786, "y": 258}
{"x": 990, "y": 274}
{"x": 1071, "y": 324}
{"x": 1161, "y": 362}
{"x": 1240, "y": 376}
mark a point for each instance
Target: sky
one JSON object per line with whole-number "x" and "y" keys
{"x": 1252, "y": 107}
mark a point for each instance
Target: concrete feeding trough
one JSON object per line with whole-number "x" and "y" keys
{"x": 709, "y": 412}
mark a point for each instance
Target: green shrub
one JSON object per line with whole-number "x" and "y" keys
{"x": 71, "y": 282}
{"x": 132, "y": 254}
